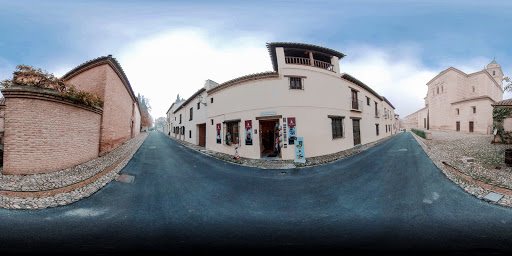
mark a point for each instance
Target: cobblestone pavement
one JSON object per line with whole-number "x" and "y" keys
{"x": 67, "y": 177}
{"x": 282, "y": 164}
{"x": 473, "y": 155}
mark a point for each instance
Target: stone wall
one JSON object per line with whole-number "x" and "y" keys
{"x": 45, "y": 132}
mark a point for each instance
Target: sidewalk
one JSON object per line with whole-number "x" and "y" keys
{"x": 66, "y": 186}
{"x": 282, "y": 164}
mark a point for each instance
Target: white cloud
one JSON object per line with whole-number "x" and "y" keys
{"x": 398, "y": 73}
{"x": 180, "y": 61}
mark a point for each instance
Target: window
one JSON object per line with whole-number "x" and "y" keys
{"x": 457, "y": 111}
{"x": 386, "y": 128}
{"x": 437, "y": 90}
{"x": 174, "y": 118}
{"x": 377, "y": 129}
{"x": 232, "y": 136}
{"x": 180, "y": 118}
{"x": 474, "y": 110}
{"x": 211, "y": 100}
{"x": 376, "y": 110}
{"x": 191, "y": 114}
{"x": 190, "y": 133}
{"x": 212, "y": 121}
{"x": 183, "y": 130}
{"x": 493, "y": 73}
{"x": 337, "y": 127}
{"x": 295, "y": 83}
{"x": 367, "y": 101}
{"x": 442, "y": 88}
{"x": 354, "y": 100}
{"x": 473, "y": 89}
{"x": 198, "y": 105}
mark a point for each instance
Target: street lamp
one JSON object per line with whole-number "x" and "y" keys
{"x": 200, "y": 99}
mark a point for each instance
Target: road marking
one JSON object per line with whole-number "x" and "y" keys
{"x": 402, "y": 149}
{"x": 84, "y": 212}
{"x": 432, "y": 198}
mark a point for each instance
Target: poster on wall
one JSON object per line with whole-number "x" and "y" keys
{"x": 219, "y": 140}
{"x": 292, "y": 130}
{"x": 299, "y": 151}
{"x": 248, "y": 132}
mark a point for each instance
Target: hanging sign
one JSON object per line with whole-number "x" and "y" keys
{"x": 248, "y": 132}
{"x": 219, "y": 140}
{"x": 285, "y": 135}
{"x": 292, "y": 134}
{"x": 299, "y": 150}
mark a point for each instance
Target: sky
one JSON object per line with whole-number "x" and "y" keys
{"x": 171, "y": 47}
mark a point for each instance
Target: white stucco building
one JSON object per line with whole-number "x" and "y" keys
{"x": 305, "y": 95}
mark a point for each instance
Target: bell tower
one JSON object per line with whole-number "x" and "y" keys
{"x": 494, "y": 69}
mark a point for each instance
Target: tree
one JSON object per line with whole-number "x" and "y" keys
{"x": 160, "y": 122}
{"x": 145, "y": 108}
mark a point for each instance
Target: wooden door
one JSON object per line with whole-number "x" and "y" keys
{"x": 470, "y": 126}
{"x": 202, "y": 135}
{"x": 356, "y": 131}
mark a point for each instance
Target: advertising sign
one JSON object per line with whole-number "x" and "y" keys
{"x": 248, "y": 132}
{"x": 292, "y": 130}
{"x": 299, "y": 151}
{"x": 219, "y": 139}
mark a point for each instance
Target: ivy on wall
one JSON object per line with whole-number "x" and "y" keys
{"x": 498, "y": 116}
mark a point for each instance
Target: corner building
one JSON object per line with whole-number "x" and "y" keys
{"x": 305, "y": 95}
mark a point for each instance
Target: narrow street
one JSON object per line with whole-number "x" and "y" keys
{"x": 390, "y": 197}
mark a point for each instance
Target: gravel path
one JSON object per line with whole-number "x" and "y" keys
{"x": 473, "y": 155}
{"x": 67, "y": 177}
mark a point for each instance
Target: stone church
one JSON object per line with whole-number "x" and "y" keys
{"x": 457, "y": 101}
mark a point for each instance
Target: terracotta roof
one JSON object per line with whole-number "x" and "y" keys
{"x": 190, "y": 99}
{"x": 361, "y": 84}
{"x": 272, "y": 50}
{"x": 112, "y": 62}
{"x": 507, "y": 102}
{"x": 242, "y": 79}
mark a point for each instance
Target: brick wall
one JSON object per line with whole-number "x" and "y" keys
{"x": 44, "y": 133}
{"x": 119, "y": 110}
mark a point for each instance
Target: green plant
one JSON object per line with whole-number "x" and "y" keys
{"x": 498, "y": 116}
{"x": 418, "y": 132}
{"x": 29, "y": 76}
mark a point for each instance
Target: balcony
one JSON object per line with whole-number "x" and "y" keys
{"x": 307, "y": 62}
{"x": 356, "y": 105}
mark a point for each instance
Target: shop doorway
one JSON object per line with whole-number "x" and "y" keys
{"x": 268, "y": 138}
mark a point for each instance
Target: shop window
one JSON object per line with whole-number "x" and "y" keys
{"x": 337, "y": 127}
{"x": 377, "y": 129}
{"x": 295, "y": 83}
{"x": 191, "y": 114}
{"x": 232, "y": 134}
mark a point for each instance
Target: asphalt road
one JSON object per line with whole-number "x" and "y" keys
{"x": 390, "y": 197}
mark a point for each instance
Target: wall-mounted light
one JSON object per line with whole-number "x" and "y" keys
{"x": 200, "y": 99}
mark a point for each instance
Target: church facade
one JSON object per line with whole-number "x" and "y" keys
{"x": 461, "y": 102}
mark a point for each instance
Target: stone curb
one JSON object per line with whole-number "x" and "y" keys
{"x": 69, "y": 194}
{"x": 473, "y": 186}
{"x": 283, "y": 164}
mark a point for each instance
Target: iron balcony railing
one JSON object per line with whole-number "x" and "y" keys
{"x": 356, "y": 105}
